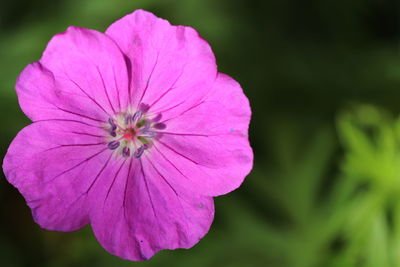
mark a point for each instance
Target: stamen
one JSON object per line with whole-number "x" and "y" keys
{"x": 113, "y": 145}
{"x": 134, "y": 132}
{"x": 128, "y": 119}
{"x": 139, "y": 152}
{"x": 160, "y": 126}
{"x": 146, "y": 127}
{"x": 112, "y": 123}
{"x": 126, "y": 152}
{"x": 148, "y": 134}
{"x": 136, "y": 117}
{"x": 157, "y": 117}
{"x": 144, "y": 107}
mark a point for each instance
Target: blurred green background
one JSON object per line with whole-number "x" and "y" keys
{"x": 323, "y": 79}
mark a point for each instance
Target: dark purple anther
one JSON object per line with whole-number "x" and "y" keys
{"x": 139, "y": 152}
{"x": 113, "y": 145}
{"x": 126, "y": 152}
{"x": 112, "y": 123}
{"x": 136, "y": 117}
{"x": 160, "y": 126}
{"x": 113, "y": 133}
{"x": 128, "y": 119}
{"x": 157, "y": 117}
{"x": 144, "y": 107}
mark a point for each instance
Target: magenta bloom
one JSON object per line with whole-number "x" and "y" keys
{"x": 134, "y": 131}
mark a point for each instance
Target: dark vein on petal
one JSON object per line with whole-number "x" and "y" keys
{"x": 147, "y": 189}
{"x": 162, "y": 176}
{"x": 125, "y": 189}
{"x": 87, "y": 134}
{"x": 90, "y": 187}
{"x": 105, "y": 89}
{"x": 65, "y": 120}
{"x": 91, "y": 98}
{"x": 176, "y": 152}
{"x": 167, "y": 109}
{"x": 77, "y": 165}
{"x": 158, "y": 99}
{"x": 128, "y": 64}
{"x": 178, "y": 197}
{"x": 112, "y": 184}
{"x": 167, "y": 91}
{"x": 77, "y": 114}
{"x": 188, "y": 134}
{"x": 148, "y": 80}
{"x": 71, "y": 145}
{"x": 117, "y": 88}
{"x": 98, "y": 175}
{"x": 192, "y": 107}
{"x": 172, "y": 164}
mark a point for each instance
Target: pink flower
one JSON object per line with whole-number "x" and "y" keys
{"x": 134, "y": 131}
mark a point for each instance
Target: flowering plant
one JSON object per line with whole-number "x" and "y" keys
{"x": 134, "y": 131}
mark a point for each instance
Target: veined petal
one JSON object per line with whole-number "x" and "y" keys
{"x": 140, "y": 213}
{"x": 134, "y": 131}
{"x": 53, "y": 165}
{"x": 171, "y": 66}
{"x": 206, "y": 147}
{"x": 81, "y": 75}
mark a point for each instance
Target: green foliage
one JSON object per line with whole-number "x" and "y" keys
{"x": 371, "y": 232}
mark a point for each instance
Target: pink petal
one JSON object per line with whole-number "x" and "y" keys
{"x": 81, "y": 75}
{"x": 140, "y": 213}
{"x": 53, "y": 164}
{"x": 68, "y": 176}
{"x": 206, "y": 148}
{"x": 171, "y": 66}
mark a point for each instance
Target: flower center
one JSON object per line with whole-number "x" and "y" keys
{"x": 129, "y": 134}
{"x": 132, "y": 133}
